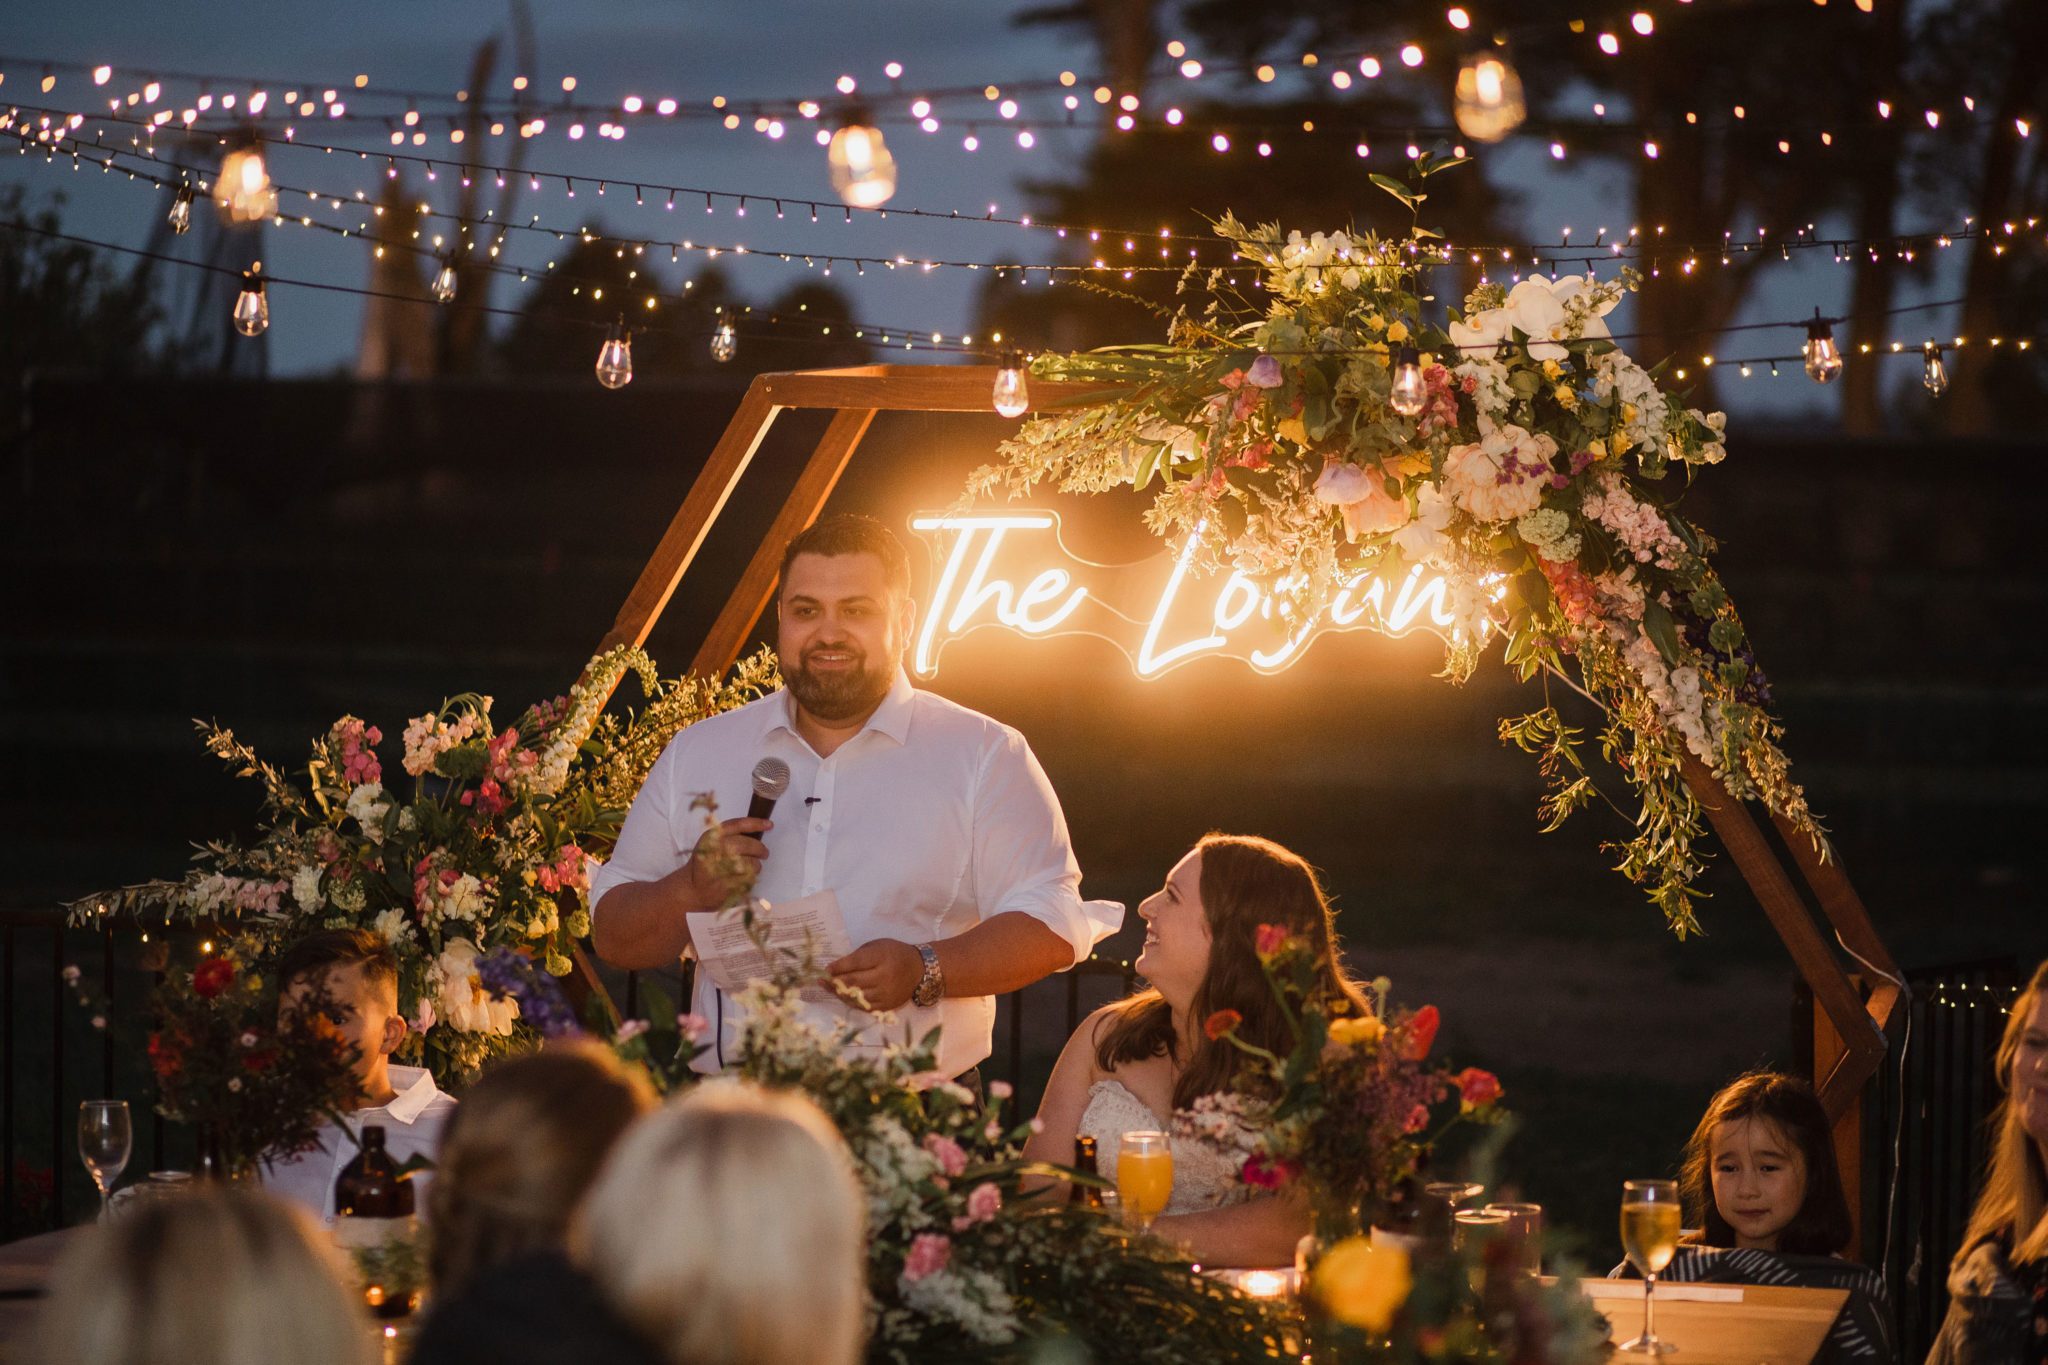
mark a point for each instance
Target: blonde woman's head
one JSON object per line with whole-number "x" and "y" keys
{"x": 227, "y": 1277}
{"x": 728, "y": 1227}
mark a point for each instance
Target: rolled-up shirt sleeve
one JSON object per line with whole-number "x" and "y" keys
{"x": 1023, "y": 857}
{"x": 647, "y": 849}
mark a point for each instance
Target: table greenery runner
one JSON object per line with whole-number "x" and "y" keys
{"x": 1535, "y": 473}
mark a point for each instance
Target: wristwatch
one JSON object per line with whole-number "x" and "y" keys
{"x": 931, "y": 987}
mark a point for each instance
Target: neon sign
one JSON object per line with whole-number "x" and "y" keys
{"x": 1012, "y": 570}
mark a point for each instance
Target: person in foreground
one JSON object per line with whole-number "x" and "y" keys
{"x": 933, "y": 826}
{"x": 728, "y": 1229}
{"x": 1998, "y": 1282}
{"x": 359, "y": 974}
{"x": 1137, "y": 1062}
{"x": 1760, "y": 1176}
{"x": 515, "y": 1161}
{"x": 228, "y": 1277}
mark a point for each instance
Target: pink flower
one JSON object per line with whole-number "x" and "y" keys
{"x": 1262, "y": 1172}
{"x": 1269, "y": 939}
{"x": 423, "y": 1018}
{"x": 1418, "y": 1119}
{"x": 952, "y": 1160}
{"x": 1264, "y": 373}
{"x": 929, "y": 1253}
{"x": 984, "y": 1201}
{"x": 1422, "y": 1032}
{"x": 631, "y": 1029}
{"x": 1233, "y": 380}
{"x": 1476, "y": 1088}
{"x": 695, "y": 1027}
{"x": 1000, "y": 1090}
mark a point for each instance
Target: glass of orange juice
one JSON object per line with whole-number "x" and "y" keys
{"x": 1144, "y": 1174}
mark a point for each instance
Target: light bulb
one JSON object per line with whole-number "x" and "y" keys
{"x": 863, "y": 172}
{"x": 252, "y": 306}
{"x": 1935, "y": 374}
{"x": 444, "y": 283}
{"x": 1823, "y": 360}
{"x": 725, "y": 339}
{"x": 1410, "y": 393}
{"x": 1012, "y": 397}
{"x": 1487, "y": 100}
{"x": 243, "y": 189}
{"x": 615, "y": 358}
{"x": 181, "y": 211}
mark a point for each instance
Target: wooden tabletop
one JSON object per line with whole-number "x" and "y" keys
{"x": 1771, "y": 1325}
{"x": 24, "y": 1274}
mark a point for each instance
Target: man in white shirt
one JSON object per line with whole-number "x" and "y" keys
{"x": 359, "y": 974}
{"x": 933, "y": 825}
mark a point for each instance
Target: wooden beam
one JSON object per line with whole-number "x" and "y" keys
{"x": 685, "y": 534}
{"x": 820, "y": 476}
{"x": 1844, "y": 910}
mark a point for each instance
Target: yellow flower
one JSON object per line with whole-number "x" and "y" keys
{"x": 1400, "y": 466}
{"x": 1397, "y": 331}
{"x": 1353, "y": 1032}
{"x": 1362, "y": 1284}
{"x": 1552, "y": 370}
{"x": 1566, "y": 398}
{"x": 1292, "y": 429}
{"x": 1374, "y": 322}
{"x": 1597, "y": 447}
{"x": 1628, "y": 413}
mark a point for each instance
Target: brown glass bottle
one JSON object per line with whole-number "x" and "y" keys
{"x": 372, "y": 1201}
{"x": 1085, "y": 1196}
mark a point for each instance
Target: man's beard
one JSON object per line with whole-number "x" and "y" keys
{"x": 841, "y": 695}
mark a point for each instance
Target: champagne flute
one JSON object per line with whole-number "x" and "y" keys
{"x": 1144, "y": 1174}
{"x": 104, "y": 1137}
{"x": 1649, "y": 1234}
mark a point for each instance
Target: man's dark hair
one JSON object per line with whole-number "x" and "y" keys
{"x": 315, "y": 953}
{"x": 849, "y": 533}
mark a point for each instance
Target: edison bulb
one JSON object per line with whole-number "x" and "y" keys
{"x": 725, "y": 339}
{"x": 181, "y": 211}
{"x": 1823, "y": 359}
{"x": 252, "y": 307}
{"x": 1934, "y": 374}
{"x": 1410, "y": 393}
{"x": 1487, "y": 100}
{"x": 444, "y": 283}
{"x": 1012, "y": 396}
{"x": 863, "y": 172}
{"x": 243, "y": 190}
{"x": 615, "y": 360}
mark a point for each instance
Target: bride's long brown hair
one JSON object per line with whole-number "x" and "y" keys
{"x": 1245, "y": 881}
{"x": 2014, "y": 1203}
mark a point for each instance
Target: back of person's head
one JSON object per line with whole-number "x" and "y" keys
{"x": 520, "y": 1151}
{"x": 1822, "y": 1227}
{"x": 2015, "y": 1198}
{"x": 316, "y": 953}
{"x": 729, "y": 1229}
{"x": 849, "y": 533}
{"x": 222, "y": 1277}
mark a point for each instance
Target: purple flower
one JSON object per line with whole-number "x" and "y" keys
{"x": 1264, "y": 373}
{"x": 509, "y": 975}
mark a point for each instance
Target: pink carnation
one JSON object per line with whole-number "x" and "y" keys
{"x": 929, "y": 1253}
{"x": 952, "y": 1160}
{"x": 984, "y": 1201}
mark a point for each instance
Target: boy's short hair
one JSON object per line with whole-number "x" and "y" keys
{"x": 849, "y": 533}
{"x": 315, "y": 953}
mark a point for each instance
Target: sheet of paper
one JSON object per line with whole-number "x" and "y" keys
{"x": 1633, "y": 1289}
{"x": 810, "y": 925}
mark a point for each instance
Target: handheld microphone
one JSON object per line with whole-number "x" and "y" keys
{"x": 771, "y": 780}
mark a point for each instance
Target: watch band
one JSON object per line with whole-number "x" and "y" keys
{"x": 931, "y": 987}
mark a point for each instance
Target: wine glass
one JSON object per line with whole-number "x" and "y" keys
{"x": 104, "y": 1138}
{"x": 1144, "y": 1174}
{"x": 1649, "y": 1234}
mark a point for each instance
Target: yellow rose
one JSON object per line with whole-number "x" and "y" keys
{"x": 1291, "y": 429}
{"x": 1566, "y": 398}
{"x": 1552, "y": 370}
{"x": 1597, "y": 447}
{"x": 1374, "y": 322}
{"x": 1353, "y": 1032}
{"x": 1397, "y": 331}
{"x": 1362, "y": 1284}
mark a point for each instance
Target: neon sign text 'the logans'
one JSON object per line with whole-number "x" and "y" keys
{"x": 1011, "y": 570}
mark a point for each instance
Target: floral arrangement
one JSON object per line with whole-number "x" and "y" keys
{"x": 491, "y": 850}
{"x": 1321, "y": 428}
{"x": 1350, "y": 1110}
{"x": 253, "y": 1082}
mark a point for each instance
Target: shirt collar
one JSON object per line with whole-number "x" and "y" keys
{"x": 416, "y": 1090}
{"x": 891, "y": 718}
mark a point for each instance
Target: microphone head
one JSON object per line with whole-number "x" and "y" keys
{"x": 771, "y": 778}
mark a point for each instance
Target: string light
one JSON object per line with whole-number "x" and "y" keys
{"x": 444, "y": 281}
{"x": 1011, "y": 396}
{"x": 1933, "y": 373}
{"x": 863, "y": 172}
{"x": 615, "y": 357}
{"x": 725, "y": 339}
{"x": 252, "y": 305}
{"x": 181, "y": 211}
{"x": 1410, "y": 393}
{"x": 1487, "y": 101}
{"x": 1823, "y": 359}
{"x": 243, "y": 190}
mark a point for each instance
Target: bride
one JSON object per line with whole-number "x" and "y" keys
{"x": 1139, "y": 1061}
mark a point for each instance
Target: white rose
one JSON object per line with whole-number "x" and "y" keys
{"x": 464, "y": 899}
{"x": 393, "y": 926}
{"x": 306, "y": 886}
{"x": 367, "y": 804}
{"x": 463, "y": 1001}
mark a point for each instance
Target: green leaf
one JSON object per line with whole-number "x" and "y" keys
{"x": 1663, "y": 634}
{"x": 1396, "y": 188}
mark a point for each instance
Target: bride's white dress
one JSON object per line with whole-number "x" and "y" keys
{"x": 1204, "y": 1175}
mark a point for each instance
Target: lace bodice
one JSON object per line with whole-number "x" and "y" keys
{"x": 1204, "y": 1175}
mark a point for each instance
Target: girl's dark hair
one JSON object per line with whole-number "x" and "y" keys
{"x": 1245, "y": 881}
{"x": 1822, "y": 1226}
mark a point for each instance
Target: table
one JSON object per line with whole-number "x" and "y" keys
{"x": 1772, "y": 1325}
{"x": 24, "y": 1275}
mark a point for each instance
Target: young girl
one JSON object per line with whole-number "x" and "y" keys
{"x": 1761, "y": 1178}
